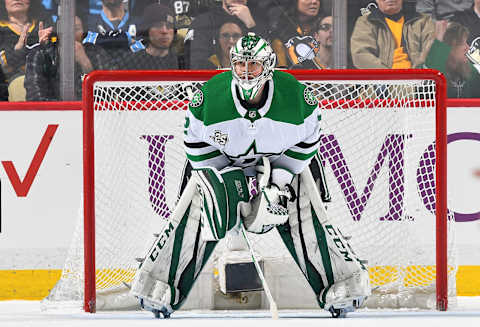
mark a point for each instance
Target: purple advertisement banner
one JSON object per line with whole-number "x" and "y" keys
{"x": 391, "y": 153}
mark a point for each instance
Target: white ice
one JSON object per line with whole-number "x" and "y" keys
{"x": 29, "y": 314}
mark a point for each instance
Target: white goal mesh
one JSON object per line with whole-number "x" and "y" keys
{"x": 378, "y": 147}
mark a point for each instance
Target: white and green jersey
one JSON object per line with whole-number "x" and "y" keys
{"x": 220, "y": 132}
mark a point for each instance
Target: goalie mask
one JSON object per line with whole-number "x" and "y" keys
{"x": 253, "y": 61}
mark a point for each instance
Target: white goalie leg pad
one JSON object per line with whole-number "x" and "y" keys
{"x": 350, "y": 275}
{"x": 351, "y": 292}
{"x": 150, "y": 282}
{"x": 154, "y": 294}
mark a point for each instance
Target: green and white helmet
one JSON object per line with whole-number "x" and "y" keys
{"x": 252, "y": 49}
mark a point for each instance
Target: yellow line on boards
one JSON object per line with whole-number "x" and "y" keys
{"x": 27, "y": 284}
{"x": 36, "y": 284}
{"x": 468, "y": 281}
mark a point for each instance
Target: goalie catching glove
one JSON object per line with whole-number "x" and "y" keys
{"x": 269, "y": 208}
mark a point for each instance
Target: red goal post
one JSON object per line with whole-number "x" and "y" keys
{"x": 375, "y": 76}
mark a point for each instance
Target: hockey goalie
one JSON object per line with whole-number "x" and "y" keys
{"x": 252, "y": 122}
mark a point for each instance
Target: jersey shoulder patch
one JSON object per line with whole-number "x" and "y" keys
{"x": 309, "y": 98}
{"x": 197, "y": 99}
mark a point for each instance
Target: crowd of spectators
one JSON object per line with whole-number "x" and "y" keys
{"x": 42, "y": 73}
{"x": 202, "y": 35}
{"x": 23, "y": 25}
{"x": 297, "y": 21}
{"x": 323, "y": 34}
{"x": 447, "y": 55}
{"x": 228, "y": 33}
{"x": 390, "y": 37}
{"x": 198, "y": 34}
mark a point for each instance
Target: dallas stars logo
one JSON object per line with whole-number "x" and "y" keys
{"x": 197, "y": 99}
{"x": 309, "y": 98}
{"x": 250, "y": 41}
{"x": 250, "y": 157}
{"x": 219, "y": 138}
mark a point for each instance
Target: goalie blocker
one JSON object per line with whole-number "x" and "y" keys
{"x": 212, "y": 203}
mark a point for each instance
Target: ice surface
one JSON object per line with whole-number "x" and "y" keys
{"x": 28, "y": 313}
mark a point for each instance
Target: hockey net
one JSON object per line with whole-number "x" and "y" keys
{"x": 384, "y": 149}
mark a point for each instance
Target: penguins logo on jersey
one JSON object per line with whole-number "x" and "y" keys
{"x": 197, "y": 99}
{"x": 219, "y": 138}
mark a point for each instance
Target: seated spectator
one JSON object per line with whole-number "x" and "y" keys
{"x": 324, "y": 36}
{"x": 51, "y": 8}
{"x": 448, "y": 55}
{"x": 114, "y": 30}
{"x": 184, "y": 10}
{"x": 158, "y": 29}
{"x": 201, "y": 38}
{"x": 296, "y": 22}
{"x": 42, "y": 74}
{"x": 470, "y": 18}
{"x": 22, "y": 25}
{"x": 113, "y": 17}
{"x": 390, "y": 37}
{"x": 228, "y": 35}
{"x": 85, "y": 8}
{"x": 272, "y": 10}
{"x": 3, "y": 87}
{"x": 442, "y": 9}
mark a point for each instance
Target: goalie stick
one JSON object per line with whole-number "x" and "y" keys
{"x": 318, "y": 206}
{"x": 271, "y": 301}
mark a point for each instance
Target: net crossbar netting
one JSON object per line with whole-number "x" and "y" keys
{"x": 378, "y": 149}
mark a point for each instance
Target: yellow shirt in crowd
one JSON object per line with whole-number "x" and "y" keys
{"x": 400, "y": 58}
